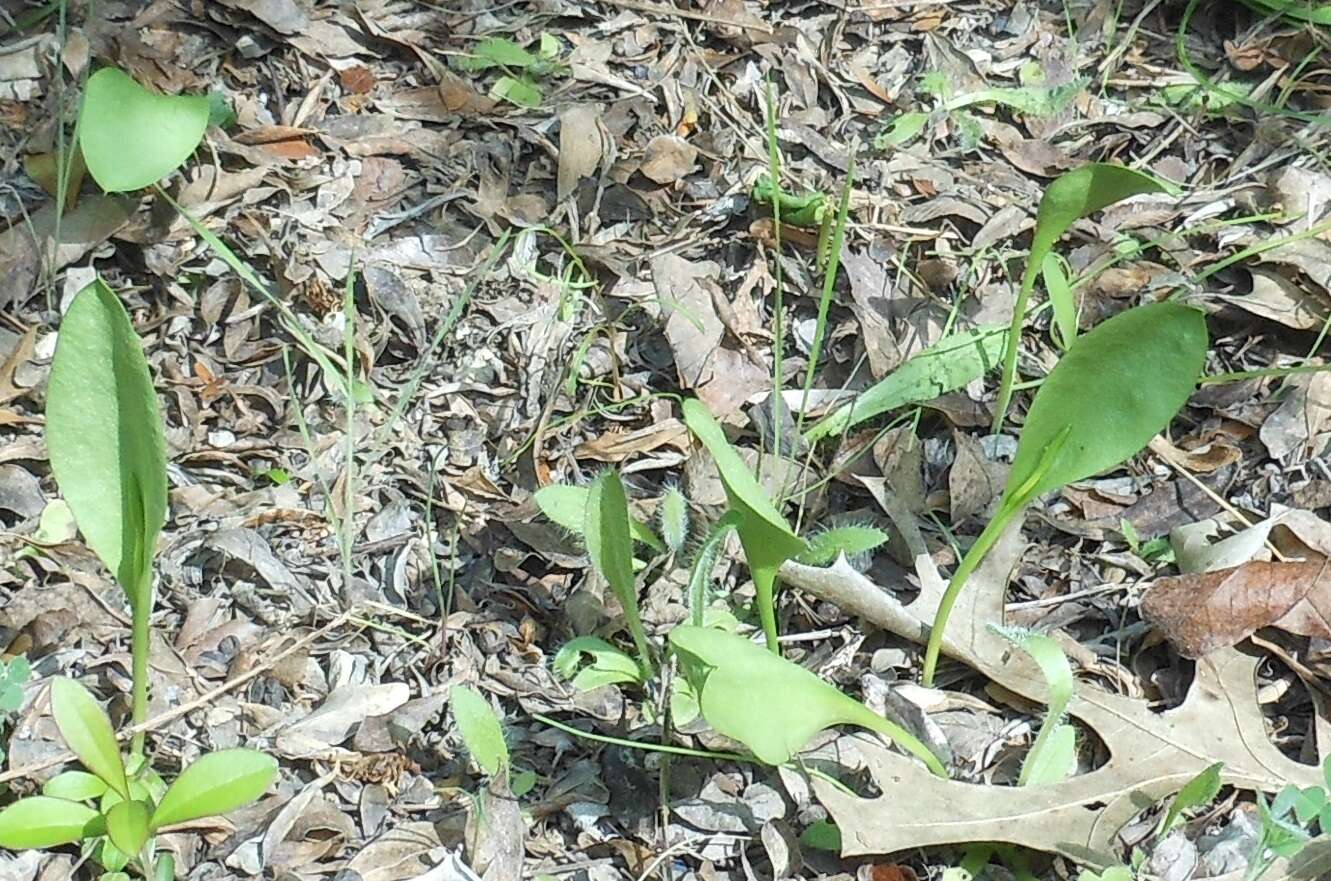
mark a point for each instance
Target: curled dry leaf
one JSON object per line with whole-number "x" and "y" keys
{"x": 1205, "y": 611}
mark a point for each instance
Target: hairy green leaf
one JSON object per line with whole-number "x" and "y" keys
{"x": 771, "y": 705}
{"x": 673, "y": 515}
{"x": 88, "y": 732}
{"x": 216, "y": 783}
{"x": 700, "y": 574}
{"x": 606, "y": 530}
{"x": 131, "y": 137}
{"x": 104, "y": 435}
{"x": 42, "y": 821}
{"x": 826, "y": 545}
{"x": 480, "y": 729}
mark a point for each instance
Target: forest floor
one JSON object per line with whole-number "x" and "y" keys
{"x": 545, "y": 253}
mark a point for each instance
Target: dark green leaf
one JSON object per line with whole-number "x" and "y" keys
{"x": 88, "y": 732}
{"x": 823, "y": 835}
{"x": 131, "y": 138}
{"x": 104, "y": 435}
{"x": 41, "y": 821}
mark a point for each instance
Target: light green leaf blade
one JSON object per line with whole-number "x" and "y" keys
{"x": 565, "y": 505}
{"x": 216, "y": 783}
{"x": 606, "y": 529}
{"x": 88, "y": 732}
{"x": 1055, "y": 760}
{"x": 1197, "y": 792}
{"x": 591, "y": 662}
{"x": 950, "y": 364}
{"x": 1053, "y": 755}
{"x": 826, "y": 545}
{"x": 767, "y": 539}
{"x": 497, "y": 52}
{"x": 1063, "y": 299}
{"x": 673, "y": 516}
{"x": 521, "y": 92}
{"x": 480, "y": 729}
{"x": 769, "y": 704}
{"x": 130, "y": 137}
{"x": 1118, "y": 386}
{"x": 41, "y": 822}
{"x": 75, "y": 786}
{"x": 127, "y": 825}
{"x": 104, "y": 435}
{"x": 700, "y": 574}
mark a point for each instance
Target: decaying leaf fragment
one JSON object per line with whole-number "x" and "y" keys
{"x": 1204, "y": 611}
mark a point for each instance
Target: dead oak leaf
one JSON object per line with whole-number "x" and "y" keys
{"x": 1201, "y": 612}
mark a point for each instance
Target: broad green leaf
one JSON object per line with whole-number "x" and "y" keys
{"x": 606, "y": 531}
{"x": 496, "y": 52}
{"x": 767, "y": 539}
{"x": 826, "y": 545}
{"x": 1197, "y": 792}
{"x": 769, "y": 704}
{"x": 566, "y": 505}
{"x": 104, "y": 435}
{"x": 822, "y": 835}
{"x": 1309, "y": 804}
{"x": 131, "y": 137}
{"x": 521, "y": 92}
{"x": 903, "y": 129}
{"x": 950, "y": 364}
{"x": 1114, "y": 390}
{"x": 216, "y": 783}
{"x": 591, "y": 662}
{"x": 1063, "y": 299}
{"x": 480, "y": 729}
{"x": 40, "y": 822}
{"x": 672, "y": 514}
{"x": 700, "y": 574}
{"x": 1301, "y": 10}
{"x": 1074, "y": 195}
{"x": 75, "y": 786}
{"x": 88, "y": 732}
{"x": 1053, "y": 755}
{"x": 127, "y": 825}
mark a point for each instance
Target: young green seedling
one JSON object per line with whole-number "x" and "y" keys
{"x": 1053, "y": 756}
{"x": 105, "y": 443}
{"x": 700, "y": 574}
{"x": 767, "y": 539}
{"x": 826, "y": 545}
{"x": 119, "y": 813}
{"x": 1117, "y": 386}
{"x": 1074, "y": 195}
{"x": 1197, "y": 792}
{"x": 607, "y": 531}
{"x": 480, "y": 730}
{"x": 769, "y": 704}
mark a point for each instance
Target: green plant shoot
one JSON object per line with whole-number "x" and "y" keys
{"x": 771, "y": 705}
{"x": 131, "y": 138}
{"x": 104, "y": 435}
{"x": 1197, "y": 792}
{"x": 767, "y": 539}
{"x": 606, "y": 528}
{"x": 1117, "y": 386}
{"x": 1053, "y": 756}
{"x": 1074, "y": 195}
{"x": 480, "y": 730}
{"x": 590, "y": 662}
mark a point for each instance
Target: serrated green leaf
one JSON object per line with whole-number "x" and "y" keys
{"x": 606, "y": 530}
{"x": 75, "y": 786}
{"x": 769, "y": 704}
{"x": 826, "y": 545}
{"x": 127, "y": 825}
{"x": 216, "y": 783}
{"x": 480, "y": 729}
{"x": 130, "y": 137}
{"x": 105, "y": 440}
{"x": 88, "y": 733}
{"x": 41, "y": 822}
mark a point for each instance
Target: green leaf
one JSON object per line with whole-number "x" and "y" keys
{"x": 104, "y": 436}
{"x": 88, "y": 733}
{"x": 903, "y": 129}
{"x": 673, "y": 515}
{"x": 767, "y": 539}
{"x": 1063, "y": 299}
{"x": 1300, "y": 10}
{"x": 1074, "y": 195}
{"x": 606, "y": 530}
{"x": 132, "y": 138}
{"x": 769, "y": 704}
{"x": 1309, "y": 804}
{"x": 497, "y": 52}
{"x": 948, "y": 365}
{"x": 826, "y": 545}
{"x": 127, "y": 825}
{"x": 40, "y": 822}
{"x": 700, "y": 575}
{"x": 1197, "y": 792}
{"x": 591, "y": 662}
{"x": 565, "y": 505}
{"x": 1053, "y": 755}
{"x": 523, "y": 782}
{"x": 1118, "y": 386}
{"x": 216, "y": 783}
{"x": 75, "y": 786}
{"x": 521, "y": 92}
{"x": 480, "y": 729}
{"x": 822, "y": 835}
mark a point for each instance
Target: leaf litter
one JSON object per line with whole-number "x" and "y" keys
{"x": 545, "y": 216}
